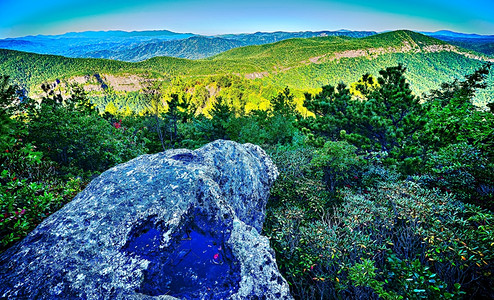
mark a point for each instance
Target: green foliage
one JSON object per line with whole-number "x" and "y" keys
{"x": 292, "y": 52}
{"x": 296, "y": 185}
{"x": 286, "y": 63}
{"x": 458, "y": 135}
{"x": 457, "y": 123}
{"x": 72, "y": 134}
{"x": 364, "y": 275}
{"x": 406, "y": 241}
{"x": 342, "y": 222}
{"x": 163, "y": 116}
{"x": 221, "y": 114}
{"x": 34, "y": 69}
{"x": 462, "y": 90}
{"x": 387, "y": 239}
{"x": 481, "y": 45}
{"x": 390, "y": 117}
{"x": 453, "y": 118}
{"x": 364, "y": 86}
{"x": 29, "y": 190}
{"x": 461, "y": 169}
{"x": 273, "y": 126}
{"x": 253, "y": 128}
{"x": 283, "y": 103}
{"x": 24, "y": 204}
{"x": 334, "y": 111}
{"x": 281, "y": 122}
{"x": 152, "y": 100}
{"x": 337, "y": 164}
{"x": 17, "y": 156}
{"x": 417, "y": 281}
{"x": 8, "y": 95}
{"x": 179, "y": 110}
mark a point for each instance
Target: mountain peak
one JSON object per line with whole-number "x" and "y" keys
{"x": 397, "y": 37}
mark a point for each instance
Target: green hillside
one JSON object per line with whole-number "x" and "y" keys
{"x": 296, "y": 51}
{"x": 298, "y": 63}
{"x": 33, "y": 69}
{"x": 397, "y": 37}
{"x": 425, "y": 70}
{"x": 286, "y": 52}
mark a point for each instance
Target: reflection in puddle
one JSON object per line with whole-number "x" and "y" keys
{"x": 197, "y": 265}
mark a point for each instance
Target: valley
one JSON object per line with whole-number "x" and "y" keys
{"x": 302, "y": 64}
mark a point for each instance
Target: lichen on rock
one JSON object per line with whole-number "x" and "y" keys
{"x": 177, "y": 224}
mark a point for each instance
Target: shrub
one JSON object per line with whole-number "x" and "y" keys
{"x": 24, "y": 204}
{"x": 407, "y": 241}
{"x": 461, "y": 169}
{"x": 376, "y": 172}
{"x": 337, "y": 164}
{"x": 72, "y": 134}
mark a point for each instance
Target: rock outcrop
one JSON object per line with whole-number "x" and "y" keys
{"x": 177, "y": 224}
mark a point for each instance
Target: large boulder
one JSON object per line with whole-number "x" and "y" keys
{"x": 177, "y": 224}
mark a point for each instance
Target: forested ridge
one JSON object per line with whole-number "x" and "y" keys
{"x": 141, "y": 45}
{"x": 301, "y": 64}
{"x": 384, "y": 192}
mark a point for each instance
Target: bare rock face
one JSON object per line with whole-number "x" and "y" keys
{"x": 178, "y": 224}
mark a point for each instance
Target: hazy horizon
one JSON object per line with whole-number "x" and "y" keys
{"x": 20, "y": 18}
{"x": 227, "y": 33}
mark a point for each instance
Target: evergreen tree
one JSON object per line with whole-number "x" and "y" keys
{"x": 179, "y": 112}
{"x": 333, "y": 109}
{"x": 152, "y": 99}
{"x": 281, "y": 119}
{"x": 391, "y": 118}
{"x": 221, "y": 115}
{"x": 364, "y": 86}
{"x": 463, "y": 91}
{"x": 172, "y": 116}
{"x": 8, "y": 95}
{"x": 283, "y": 103}
{"x": 453, "y": 118}
{"x": 72, "y": 133}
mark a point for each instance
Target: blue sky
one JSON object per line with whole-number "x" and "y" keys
{"x": 32, "y": 17}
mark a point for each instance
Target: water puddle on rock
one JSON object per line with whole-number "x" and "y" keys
{"x": 197, "y": 265}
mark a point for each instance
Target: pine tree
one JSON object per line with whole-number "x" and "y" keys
{"x": 453, "y": 118}
{"x": 221, "y": 113}
{"x": 283, "y": 103}
{"x": 8, "y": 95}
{"x": 334, "y": 111}
{"x": 152, "y": 100}
{"x": 392, "y": 115}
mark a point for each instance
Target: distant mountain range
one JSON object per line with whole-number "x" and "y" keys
{"x": 458, "y": 35}
{"x": 194, "y": 47}
{"x": 480, "y": 43}
{"x": 141, "y": 45}
{"x": 82, "y": 44}
{"x": 261, "y": 38}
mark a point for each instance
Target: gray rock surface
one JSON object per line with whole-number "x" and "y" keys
{"x": 177, "y": 224}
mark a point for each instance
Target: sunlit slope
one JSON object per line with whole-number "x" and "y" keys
{"x": 297, "y": 63}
